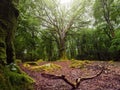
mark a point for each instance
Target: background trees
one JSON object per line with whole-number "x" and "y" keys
{"x": 82, "y": 30}
{"x": 59, "y": 20}
{"x": 27, "y": 39}
{"x": 106, "y": 14}
{"x": 107, "y": 20}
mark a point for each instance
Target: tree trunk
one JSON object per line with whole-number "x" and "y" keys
{"x": 106, "y": 12}
{"x": 8, "y": 18}
{"x": 62, "y": 50}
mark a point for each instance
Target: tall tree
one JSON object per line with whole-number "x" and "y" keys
{"x": 26, "y": 37}
{"x": 106, "y": 14}
{"x": 8, "y": 21}
{"x": 60, "y": 19}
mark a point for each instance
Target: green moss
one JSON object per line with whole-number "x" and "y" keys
{"x": 18, "y": 61}
{"x": 111, "y": 62}
{"x": 4, "y": 85}
{"x": 79, "y": 64}
{"x": 63, "y": 60}
{"x": 30, "y": 64}
{"x": 47, "y": 67}
{"x": 21, "y": 80}
{"x": 39, "y": 61}
{"x": 10, "y": 80}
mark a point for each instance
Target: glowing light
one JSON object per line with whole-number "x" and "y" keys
{"x": 65, "y": 2}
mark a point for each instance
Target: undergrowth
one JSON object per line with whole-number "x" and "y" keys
{"x": 46, "y": 67}
{"x": 10, "y": 80}
{"x": 79, "y": 64}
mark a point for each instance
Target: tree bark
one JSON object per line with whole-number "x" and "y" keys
{"x": 62, "y": 49}
{"x": 8, "y": 21}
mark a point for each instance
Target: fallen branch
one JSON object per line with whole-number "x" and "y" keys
{"x": 78, "y": 80}
{"x": 58, "y": 77}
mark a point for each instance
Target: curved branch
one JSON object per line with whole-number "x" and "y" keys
{"x": 50, "y": 76}
{"x": 78, "y": 80}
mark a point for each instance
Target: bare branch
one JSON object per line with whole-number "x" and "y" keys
{"x": 78, "y": 80}
{"x": 50, "y": 76}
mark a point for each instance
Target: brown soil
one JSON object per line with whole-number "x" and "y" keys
{"x": 108, "y": 80}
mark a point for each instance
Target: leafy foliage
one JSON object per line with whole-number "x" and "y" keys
{"x": 48, "y": 30}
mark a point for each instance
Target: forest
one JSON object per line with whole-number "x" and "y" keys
{"x": 53, "y": 30}
{"x": 60, "y": 45}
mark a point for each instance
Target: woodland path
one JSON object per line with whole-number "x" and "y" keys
{"x": 108, "y": 80}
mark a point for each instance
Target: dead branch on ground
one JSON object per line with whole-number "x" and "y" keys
{"x": 78, "y": 80}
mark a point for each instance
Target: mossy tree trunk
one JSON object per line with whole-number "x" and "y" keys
{"x": 8, "y": 22}
{"x": 62, "y": 48}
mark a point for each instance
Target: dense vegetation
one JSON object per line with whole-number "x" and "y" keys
{"x": 14, "y": 80}
{"x": 11, "y": 76}
{"x": 50, "y": 30}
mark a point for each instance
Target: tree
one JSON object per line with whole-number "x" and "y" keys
{"x": 8, "y": 21}
{"x": 115, "y": 46}
{"x": 106, "y": 14}
{"x": 60, "y": 19}
{"x": 26, "y": 37}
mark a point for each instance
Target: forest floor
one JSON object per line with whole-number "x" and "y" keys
{"x": 109, "y": 79}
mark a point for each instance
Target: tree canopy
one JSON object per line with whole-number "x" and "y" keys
{"x": 80, "y": 29}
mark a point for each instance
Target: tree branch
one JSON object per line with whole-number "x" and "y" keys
{"x": 78, "y": 80}
{"x": 50, "y": 76}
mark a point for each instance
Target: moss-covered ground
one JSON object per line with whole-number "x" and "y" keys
{"x": 73, "y": 69}
{"x": 14, "y": 80}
